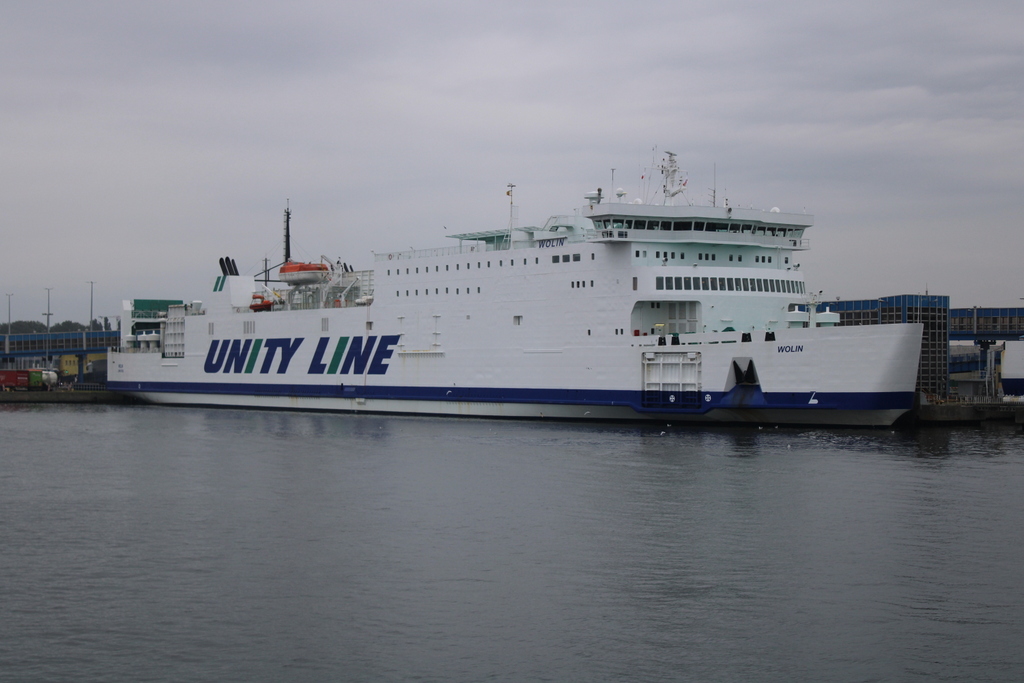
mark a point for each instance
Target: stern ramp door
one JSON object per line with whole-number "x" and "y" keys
{"x": 671, "y": 379}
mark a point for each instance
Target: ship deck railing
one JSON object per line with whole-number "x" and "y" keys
{"x": 611, "y": 235}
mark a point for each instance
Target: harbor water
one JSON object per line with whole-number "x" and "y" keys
{"x": 147, "y": 543}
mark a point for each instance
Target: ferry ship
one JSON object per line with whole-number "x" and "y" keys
{"x": 621, "y": 311}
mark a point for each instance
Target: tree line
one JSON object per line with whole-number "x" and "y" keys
{"x": 36, "y": 327}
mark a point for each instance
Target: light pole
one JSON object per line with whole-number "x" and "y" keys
{"x": 7, "y": 337}
{"x": 89, "y": 326}
{"x": 48, "y": 314}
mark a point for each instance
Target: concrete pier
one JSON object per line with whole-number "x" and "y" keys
{"x": 98, "y": 397}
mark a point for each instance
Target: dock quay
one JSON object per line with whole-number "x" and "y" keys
{"x": 81, "y": 397}
{"x": 965, "y": 412}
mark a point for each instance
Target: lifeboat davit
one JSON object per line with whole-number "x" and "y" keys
{"x": 297, "y": 273}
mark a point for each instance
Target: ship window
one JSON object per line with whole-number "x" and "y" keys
{"x": 657, "y": 254}
{"x": 659, "y": 283}
{"x": 456, "y": 266}
{"x": 554, "y": 259}
{"x": 740, "y": 257}
{"x": 686, "y": 283}
{"x": 456, "y": 290}
{"x": 488, "y": 264}
{"x": 679, "y": 283}
{"x": 417, "y": 293}
{"x": 634, "y": 289}
{"x": 746, "y": 284}
{"x": 398, "y": 293}
{"x": 669, "y": 283}
{"x": 389, "y": 271}
{"x": 565, "y": 258}
{"x": 407, "y": 292}
{"x": 700, "y": 257}
{"x": 713, "y": 257}
{"x": 517, "y": 320}
{"x": 369, "y": 325}
{"x": 730, "y": 257}
{"x": 786, "y": 260}
{"x": 769, "y": 259}
{"x": 760, "y": 284}
{"x": 436, "y": 268}
{"x": 698, "y": 225}
{"x": 591, "y": 283}
{"x": 477, "y": 290}
{"x": 638, "y": 253}
{"x": 478, "y": 264}
{"x": 629, "y": 224}
{"x": 435, "y": 290}
{"x": 704, "y": 284}
{"x": 714, "y": 284}
{"x": 445, "y": 290}
{"x": 575, "y": 257}
{"x": 417, "y": 271}
{"x": 446, "y": 267}
{"x": 682, "y": 225}
{"x": 729, "y": 284}
{"x": 535, "y": 261}
{"x": 639, "y": 224}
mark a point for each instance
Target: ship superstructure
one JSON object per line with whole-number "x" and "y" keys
{"x": 619, "y": 311}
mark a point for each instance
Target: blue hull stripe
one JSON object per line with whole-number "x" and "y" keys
{"x": 687, "y": 403}
{"x": 1013, "y": 387}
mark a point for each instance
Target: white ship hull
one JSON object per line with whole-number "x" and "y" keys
{"x": 841, "y": 375}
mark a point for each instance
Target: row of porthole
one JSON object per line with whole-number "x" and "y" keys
{"x": 731, "y": 284}
{"x": 562, "y": 258}
{"x": 703, "y": 256}
{"x": 437, "y": 291}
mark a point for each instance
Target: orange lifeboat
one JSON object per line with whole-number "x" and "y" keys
{"x": 260, "y": 303}
{"x": 298, "y": 273}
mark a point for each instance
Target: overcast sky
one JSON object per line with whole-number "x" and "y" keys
{"x": 143, "y": 140}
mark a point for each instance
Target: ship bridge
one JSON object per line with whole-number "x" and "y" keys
{"x": 721, "y": 225}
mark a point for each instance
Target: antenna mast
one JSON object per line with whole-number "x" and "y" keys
{"x": 287, "y": 232}
{"x": 511, "y": 213}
